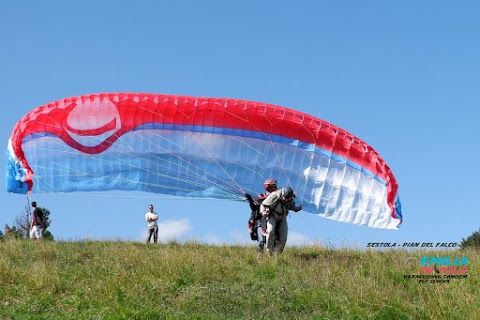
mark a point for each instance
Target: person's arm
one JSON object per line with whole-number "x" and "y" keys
{"x": 294, "y": 207}
{"x": 297, "y": 208}
{"x": 253, "y": 207}
{"x": 268, "y": 203}
{"x": 271, "y": 200}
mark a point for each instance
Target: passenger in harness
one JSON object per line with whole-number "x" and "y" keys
{"x": 275, "y": 209}
{"x": 257, "y": 224}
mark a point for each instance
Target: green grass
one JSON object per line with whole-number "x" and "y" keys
{"x": 124, "y": 280}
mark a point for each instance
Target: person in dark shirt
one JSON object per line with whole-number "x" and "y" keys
{"x": 38, "y": 223}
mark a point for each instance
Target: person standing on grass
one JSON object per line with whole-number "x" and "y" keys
{"x": 275, "y": 209}
{"x": 257, "y": 224}
{"x": 151, "y": 217}
{"x": 37, "y": 225}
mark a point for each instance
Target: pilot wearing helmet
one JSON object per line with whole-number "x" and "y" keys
{"x": 275, "y": 209}
{"x": 257, "y": 224}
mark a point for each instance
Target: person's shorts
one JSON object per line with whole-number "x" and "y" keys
{"x": 36, "y": 232}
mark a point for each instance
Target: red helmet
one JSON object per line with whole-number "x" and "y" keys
{"x": 270, "y": 183}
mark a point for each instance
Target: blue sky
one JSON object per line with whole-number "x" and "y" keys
{"x": 402, "y": 76}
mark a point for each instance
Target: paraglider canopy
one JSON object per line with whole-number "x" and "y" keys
{"x": 200, "y": 147}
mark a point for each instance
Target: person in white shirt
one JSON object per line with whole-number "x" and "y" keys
{"x": 275, "y": 209}
{"x": 151, "y": 217}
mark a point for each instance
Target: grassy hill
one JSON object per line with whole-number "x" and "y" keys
{"x": 124, "y": 280}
